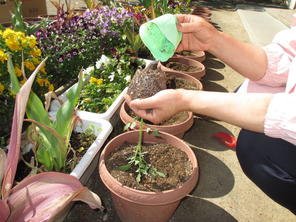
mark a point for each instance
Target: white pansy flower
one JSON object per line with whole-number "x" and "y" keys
{"x": 88, "y": 70}
{"x": 103, "y": 60}
{"x": 111, "y": 77}
{"x": 128, "y": 78}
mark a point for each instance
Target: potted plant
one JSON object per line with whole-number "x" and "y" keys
{"x": 148, "y": 202}
{"x": 148, "y": 82}
{"x": 48, "y": 192}
{"x": 185, "y": 65}
{"x": 51, "y": 139}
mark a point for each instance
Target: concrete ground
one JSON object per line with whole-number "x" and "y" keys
{"x": 223, "y": 193}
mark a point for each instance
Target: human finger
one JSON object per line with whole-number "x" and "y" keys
{"x": 187, "y": 27}
{"x": 147, "y": 103}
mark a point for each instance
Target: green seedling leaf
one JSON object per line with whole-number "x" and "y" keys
{"x": 160, "y": 174}
{"x": 125, "y": 167}
{"x": 156, "y": 133}
{"x": 126, "y": 127}
{"x": 148, "y": 130}
{"x": 138, "y": 178}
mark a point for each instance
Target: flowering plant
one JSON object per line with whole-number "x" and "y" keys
{"x": 24, "y": 48}
{"x": 107, "y": 79}
{"x": 77, "y": 42}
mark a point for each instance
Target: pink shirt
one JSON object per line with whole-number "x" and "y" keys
{"x": 279, "y": 79}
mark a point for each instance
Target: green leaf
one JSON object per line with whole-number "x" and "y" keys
{"x": 138, "y": 178}
{"x": 15, "y": 85}
{"x": 160, "y": 174}
{"x": 124, "y": 167}
{"x": 156, "y": 133}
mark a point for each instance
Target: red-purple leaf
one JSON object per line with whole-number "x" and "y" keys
{"x": 43, "y": 196}
{"x": 15, "y": 135}
{"x": 4, "y": 210}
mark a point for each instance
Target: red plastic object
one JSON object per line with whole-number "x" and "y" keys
{"x": 226, "y": 139}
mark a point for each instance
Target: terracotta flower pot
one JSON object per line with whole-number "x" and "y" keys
{"x": 186, "y": 77}
{"x": 199, "y": 56}
{"x": 176, "y": 129}
{"x": 133, "y": 205}
{"x": 197, "y": 74}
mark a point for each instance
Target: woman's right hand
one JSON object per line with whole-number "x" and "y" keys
{"x": 198, "y": 34}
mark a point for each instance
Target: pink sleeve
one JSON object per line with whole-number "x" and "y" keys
{"x": 280, "y": 119}
{"x": 280, "y": 54}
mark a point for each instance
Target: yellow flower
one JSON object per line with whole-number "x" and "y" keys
{"x": 3, "y": 56}
{"x": 35, "y": 60}
{"x": 13, "y": 44}
{"x": 8, "y": 33}
{"x": 32, "y": 41}
{"x": 1, "y": 32}
{"x": 35, "y": 52}
{"x": 42, "y": 69}
{"x": 42, "y": 82}
{"x": 50, "y": 87}
{"x": 22, "y": 82}
{"x": 20, "y": 35}
{"x": 96, "y": 81}
{"x": 1, "y": 89}
{"x": 18, "y": 71}
{"x": 29, "y": 65}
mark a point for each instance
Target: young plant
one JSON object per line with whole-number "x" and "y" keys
{"x": 138, "y": 160}
{"x": 40, "y": 197}
{"x": 51, "y": 137}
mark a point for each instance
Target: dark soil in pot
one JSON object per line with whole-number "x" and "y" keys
{"x": 182, "y": 67}
{"x": 165, "y": 158}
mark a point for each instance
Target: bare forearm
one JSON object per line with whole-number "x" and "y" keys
{"x": 249, "y": 60}
{"x": 244, "y": 110}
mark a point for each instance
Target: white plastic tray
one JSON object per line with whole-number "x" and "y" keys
{"x": 102, "y": 129}
{"x": 55, "y": 104}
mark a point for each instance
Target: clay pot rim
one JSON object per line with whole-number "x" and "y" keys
{"x": 194, "y": 53}
{"x": 194, "y": 162}
{"x": 197, "y": 63}
{"x": 190, "y": 116}
{"x": 193, "y": 79}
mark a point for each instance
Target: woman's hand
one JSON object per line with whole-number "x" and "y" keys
{"x": 198, "y": 34}
{"x": 159, "y": 107}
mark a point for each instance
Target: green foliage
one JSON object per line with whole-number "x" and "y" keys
{"x": 20, "y": 25}
{"x": 107, "y": 79}
{"x": 50, "y": 137}
{"x": 138, "y": 158}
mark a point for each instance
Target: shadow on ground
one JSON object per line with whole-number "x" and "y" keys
{"x": 198, "y": 210}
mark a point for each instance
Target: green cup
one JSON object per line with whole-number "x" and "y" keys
{"x": 161, "y": 36}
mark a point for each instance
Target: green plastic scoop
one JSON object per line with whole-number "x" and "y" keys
{"x": 161, "y": 36}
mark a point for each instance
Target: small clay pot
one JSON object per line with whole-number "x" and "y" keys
{"x": 199, "y": 56}
{"x": 186, "y": 61}
{"x": 176, "y": 129}
{"x": 187, "y": 77}
{"x": 134, "y": 205}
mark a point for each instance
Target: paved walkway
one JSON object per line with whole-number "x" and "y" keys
{"x": 260, "y": 25}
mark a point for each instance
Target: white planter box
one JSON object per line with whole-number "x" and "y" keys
{"x": 102, "y": 129}
{"x": 108, "y": 115}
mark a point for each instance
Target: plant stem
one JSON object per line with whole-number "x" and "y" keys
{"x": 139, "y": 145}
